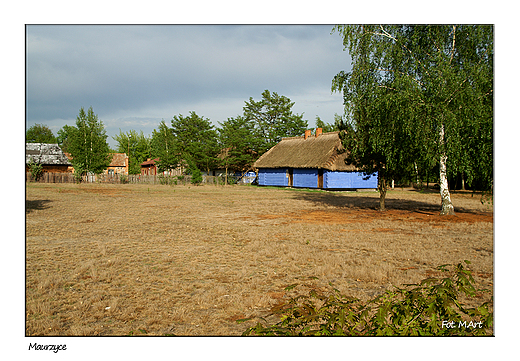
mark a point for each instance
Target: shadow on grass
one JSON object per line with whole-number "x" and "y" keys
{"x": 364, "y": 201}
{"x": 371, "y": 201}
{"x": 36, "y": 205}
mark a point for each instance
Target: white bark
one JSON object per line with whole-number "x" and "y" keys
{"x": 446, "y": 205}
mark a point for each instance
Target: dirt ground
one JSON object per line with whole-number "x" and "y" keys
{"x": 157, "y": 260}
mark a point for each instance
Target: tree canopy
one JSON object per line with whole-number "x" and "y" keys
{"x": 418, "y": 97}
{"x": 239, "y": 142}
{"x": 87, "y": 144}
{"x": 39, "y": 133}
{"x": 325, "y": 127}
{"x": 64, "y": 137}
{"x": 136, "y": 146}
{"x": 164, "y": 147}
{"x": 274, "y": 119}
{"x": 196, "y": 139}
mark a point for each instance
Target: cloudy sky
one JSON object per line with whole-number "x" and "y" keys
{"x": 135, "y": 76}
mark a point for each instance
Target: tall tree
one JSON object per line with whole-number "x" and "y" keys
{"x": 274, "y": 119}
{"x": 64, "y": 137}
{"x": 441, "y": 77}
{"x": 39, "y": 133}
{"x": 239, "y": 142}
{"x": 88, "y": 144}
{"x": 164, "y": 147}
{"x": 136, "y": 146}
{"x": 197, "y": 140}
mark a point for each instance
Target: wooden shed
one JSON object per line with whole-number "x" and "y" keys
{"x": 311, "y": 161}
{"x": 50, "y": 156}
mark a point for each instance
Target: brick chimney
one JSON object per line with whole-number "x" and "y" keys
{"x": 308, "y": 133}
{"x": 318, "y": 132}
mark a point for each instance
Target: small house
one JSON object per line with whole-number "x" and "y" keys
{"x": 50, "y": 156}
{"x": 118, "y": 165}
{"x": 311, "y": 161}
{"x": 149, "y": 167}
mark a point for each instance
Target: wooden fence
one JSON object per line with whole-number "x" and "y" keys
{"x": 48, "y": 177}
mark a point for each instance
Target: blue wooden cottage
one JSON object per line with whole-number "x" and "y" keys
{"x": 311, "y": 161}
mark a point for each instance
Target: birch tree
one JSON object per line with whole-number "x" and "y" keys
{"x": 136, "y": 146}
{"x": 441, "y": 78}
{"x": 88, "y": 144}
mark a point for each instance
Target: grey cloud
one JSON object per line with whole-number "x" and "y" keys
{"x": 134, "y": 71}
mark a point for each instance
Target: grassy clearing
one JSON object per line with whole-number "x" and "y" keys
{"x": 155, "y": 260}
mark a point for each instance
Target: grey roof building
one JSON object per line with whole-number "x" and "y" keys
{"x": 45, "y": 154}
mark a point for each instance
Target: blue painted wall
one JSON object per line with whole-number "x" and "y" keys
{"x": 348, "y": 180}
{"x": 273, "y": 177}
{"x": 306, "y": 178}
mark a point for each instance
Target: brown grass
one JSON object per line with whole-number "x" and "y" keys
{"x": 155, "y": 260}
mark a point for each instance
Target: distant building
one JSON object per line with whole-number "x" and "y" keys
{"x": 149, "y": 167}
{"x": 311, "y": 162}
{"x": 50, "y": 156}
{"x": 118, "y": 165}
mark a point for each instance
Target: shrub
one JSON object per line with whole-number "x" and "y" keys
{"x": 78, "y": 174}
{"x": 429, "y": 308}
{"x": 123, "y": 178}
{"x": 196, "y": 176}
{"x": 36, "y": 170}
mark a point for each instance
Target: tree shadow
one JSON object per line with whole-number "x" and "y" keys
{"x": 36, "y": 205}
{"x": 370, "y": 202}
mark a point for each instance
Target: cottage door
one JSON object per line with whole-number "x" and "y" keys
{"x": 320, "y": 178}
{"x": 290, "y": 176}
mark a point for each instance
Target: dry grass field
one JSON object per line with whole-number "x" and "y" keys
{"x": 155, "y": 260}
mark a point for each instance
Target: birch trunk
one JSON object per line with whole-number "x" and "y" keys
{"x": 382, "y": 193}
{"x": 446, "y": 205}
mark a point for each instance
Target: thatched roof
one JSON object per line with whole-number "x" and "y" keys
{"x": 44, "y": 153}
{"x": 324, "y": 151}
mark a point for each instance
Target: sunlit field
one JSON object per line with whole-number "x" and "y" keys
{"x": 191, "y": 260}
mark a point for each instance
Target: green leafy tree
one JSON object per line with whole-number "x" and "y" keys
{"x": 197, "y": 140}
{"x": 239, "y": 141}
{"x": 164, "y": 146}
{"x": 136, "y": 146}
{"x": 326, "y": 127}
{"x": 39, "y": 133}
{"x": 88, "y": 144}
{"x": 196, "y": 175}
{"x": 274, "y": 119}
{"x": 441, "y": 80}
{"x": 64, "y": 136}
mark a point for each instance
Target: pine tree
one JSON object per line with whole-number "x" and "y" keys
{"x": 197, "y": 140}
{"x": 164, "y": 146}
{"x": 239, "y": 143}
{"x": 274, "y": 119}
